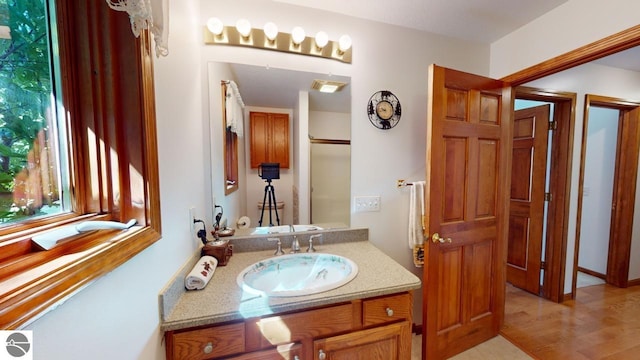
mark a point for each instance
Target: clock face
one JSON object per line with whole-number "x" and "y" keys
{"x": 384, "y": 110}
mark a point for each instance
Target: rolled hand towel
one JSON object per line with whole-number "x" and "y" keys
{"x": 201, "y": 273}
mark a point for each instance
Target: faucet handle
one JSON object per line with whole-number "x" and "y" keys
{"x": 279, "y": 246}
{"x": 311, "y": 248}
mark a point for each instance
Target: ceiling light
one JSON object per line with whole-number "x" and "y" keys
{"x": 344, "y": 43}
{"x": 270, "y": 31}
{"x": 215, "y": 25}
{"x": 298, "y": 35}
{"x": 322, "y": 39}
{"x": 327, "y": 86}
{"x": 244, "y": 27}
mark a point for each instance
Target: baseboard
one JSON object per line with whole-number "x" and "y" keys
{"x": 633, "y": 282}
{"x": 593, "y": 273}
{"x": 417, "y": 329}
{"x": 567, "y": 297}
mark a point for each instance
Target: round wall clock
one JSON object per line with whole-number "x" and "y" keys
{"x": 384, "y": 110}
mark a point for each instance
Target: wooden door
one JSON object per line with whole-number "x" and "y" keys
{"x": 526, "y": 210}
{"x": 468, "y": 169}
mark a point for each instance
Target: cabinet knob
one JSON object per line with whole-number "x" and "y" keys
{"x": 208, "y": 348}
{"x": 389, "y": 312}
{"x": 322, "y": 355}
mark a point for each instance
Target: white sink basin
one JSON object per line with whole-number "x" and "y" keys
{"x": 297, "y": 274}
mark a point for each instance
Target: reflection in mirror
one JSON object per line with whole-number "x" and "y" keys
{"x": 232, "y": 106}
{"x": 316, "y": 187}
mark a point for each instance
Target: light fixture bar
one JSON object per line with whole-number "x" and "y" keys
{"x": 282, "y": 42}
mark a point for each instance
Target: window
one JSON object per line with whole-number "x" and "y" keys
{"x": 30, "y": 175}
{"x": 106, "y": 103}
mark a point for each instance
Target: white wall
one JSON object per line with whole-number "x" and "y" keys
{"x": 597, "y": 80}
{"x": 574, "y": 24}
{"x": 599, "y": 170}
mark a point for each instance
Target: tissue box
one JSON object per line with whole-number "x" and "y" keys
{"x": 220, "y": 249}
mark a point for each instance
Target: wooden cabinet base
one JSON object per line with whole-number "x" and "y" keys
{"x": 378, "y": 327}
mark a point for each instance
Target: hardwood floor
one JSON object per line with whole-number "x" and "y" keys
{"x": 602, "y": 323}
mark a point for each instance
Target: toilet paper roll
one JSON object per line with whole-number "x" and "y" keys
{"x": 243, "y": 223}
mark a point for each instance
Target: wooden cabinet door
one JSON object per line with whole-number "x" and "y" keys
{"x": 269, "y": 139}
{"x": 468, "y": 170}
{"x": 391, "y": 342}
{"x": 259, "y": 135}
{"x": 280, "y": 140}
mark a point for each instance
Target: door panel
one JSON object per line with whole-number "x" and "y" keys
{"x": 468, "y": 167}
{"x": 526, "y": 211}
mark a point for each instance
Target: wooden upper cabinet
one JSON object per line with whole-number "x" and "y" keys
{"x": 269, "y": 139}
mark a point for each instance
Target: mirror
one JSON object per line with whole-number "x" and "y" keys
{"x": 315, "y": 189}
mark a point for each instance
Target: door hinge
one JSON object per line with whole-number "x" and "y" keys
{"x": 553, "y": 125}
{"x": 543, "y": 265}
{"x": 548, "y": 197}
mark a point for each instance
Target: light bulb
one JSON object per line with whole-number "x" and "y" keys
{"x": 244, "y": 27}
{"x": 215, "y": 25}
{"x": 322, "y": 39}
{"x": 344, "y": 43}
{"x": 297, "y": 35}
{"x": 270, "y": 31}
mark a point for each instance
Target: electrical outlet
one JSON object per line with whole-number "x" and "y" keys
{"x": 367, "y": 203}
{"x": 192, "y": 217}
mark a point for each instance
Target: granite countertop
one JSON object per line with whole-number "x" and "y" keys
{"x": 223, "y": 300}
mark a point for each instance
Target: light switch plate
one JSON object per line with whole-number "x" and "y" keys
{"x": 367, "y": 203}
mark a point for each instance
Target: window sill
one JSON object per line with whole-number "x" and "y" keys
{"x": 26, "y": 294}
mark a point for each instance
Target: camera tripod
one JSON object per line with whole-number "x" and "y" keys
{"x": 270, "y": 192}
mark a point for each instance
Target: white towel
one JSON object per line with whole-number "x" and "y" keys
{"x": 234, "y": 109}
{"x": 201, "y": 273}
{"x": 416, "y": 214}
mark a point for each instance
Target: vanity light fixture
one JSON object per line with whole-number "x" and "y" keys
{"x": 269, "y": 38}
{"x": 322, "y": 39}
{"x": 270, "y": 31}
{"x": 244, "y": 27}
{"x": 344, "y": 43}
{"x": 215, "y": 26}
{"x": 298, "y": 35}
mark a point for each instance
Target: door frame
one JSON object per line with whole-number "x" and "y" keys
{"x": 559, "y": 186}
{"x": 617, "y": 42}
{"x": 624, "y": 188}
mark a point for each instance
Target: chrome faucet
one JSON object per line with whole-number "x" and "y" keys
{"x": 278, "y": 246}
{"x": 295, "y": 244}
{"x": 311, "y": 248}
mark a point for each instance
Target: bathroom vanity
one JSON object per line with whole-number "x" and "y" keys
{"x": 370, "y": 314}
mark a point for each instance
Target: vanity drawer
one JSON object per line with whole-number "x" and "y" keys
{"x": 386, "y": 309}
{"x": 209, "y": 342}
{"x": 294, "y": 327}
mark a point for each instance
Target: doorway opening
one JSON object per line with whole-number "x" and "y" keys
{"x": 554, "y": 180}
{"x": 611, "y": 141}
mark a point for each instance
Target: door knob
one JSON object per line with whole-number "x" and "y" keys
{"x": 436, "y": 238}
